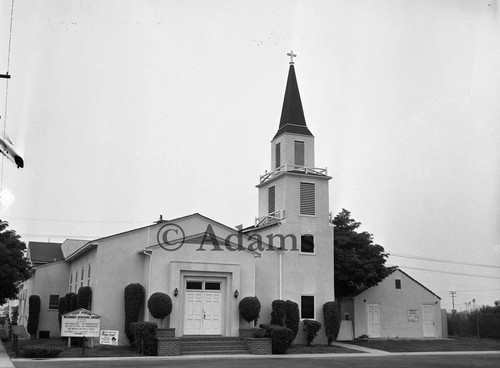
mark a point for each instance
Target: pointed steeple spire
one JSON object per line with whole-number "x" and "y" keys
{"x": 292, "y": 115}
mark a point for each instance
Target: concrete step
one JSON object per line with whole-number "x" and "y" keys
{"x": 219, "y": 352}
{"x": 195, "y": 345}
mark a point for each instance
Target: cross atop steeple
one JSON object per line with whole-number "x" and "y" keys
{"x": 292, "y": 55}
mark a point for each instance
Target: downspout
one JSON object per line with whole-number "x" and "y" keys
{"x": 280, "y": 274}
{"x": 148, "y": 253}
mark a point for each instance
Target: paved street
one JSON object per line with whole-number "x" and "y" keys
{"x": 392, "y": 360}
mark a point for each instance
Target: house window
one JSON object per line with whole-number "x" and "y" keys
{"x": 307, "y": 243}
{"x": 278, "y": 155}
{"x": 307, "y": 199}
{"x": 70, "y": 281}
{"x": 299, "y": 153}
{"x": 271, "y": 199}
{"x": 307, "y": 307}
{"x": 54, "y": 302}
{"x": 398, "y": 284}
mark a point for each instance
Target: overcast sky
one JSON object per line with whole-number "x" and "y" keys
{"x": 125, "y": 110}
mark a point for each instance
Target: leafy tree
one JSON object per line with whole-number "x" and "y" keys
{"x": 359, "y": 263}
{"x": 14, "y": 266}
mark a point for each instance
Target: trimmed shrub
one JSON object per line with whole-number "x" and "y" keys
{"x": 67, "y": 300}
{"x": 292, "y": 317}
{"x": 34, "y": 314}
{"x": 134, "y": 299}
{"x": 278, "y": 313}
{"x": 250, "y": 308}
{"x": 311, "y": 327}
{"x": 39, "y": 352}
{"x": 84, "y": 297}
{"x": 145, "y": 337}
{"x": 332, "y": 321}
{"x": 281, "y": 337}
{"x": 74, "y": 302}
{"x": 61, "y": 307}
{"x": 160, "y": 305}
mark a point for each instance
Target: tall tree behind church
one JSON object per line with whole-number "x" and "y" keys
{"x": 359, "y": 263}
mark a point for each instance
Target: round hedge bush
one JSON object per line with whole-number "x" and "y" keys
{"x": 249, "y": 308}
{"x": 160, "y": 305}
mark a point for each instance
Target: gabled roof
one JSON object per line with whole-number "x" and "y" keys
{"x": 292, "y": 115}
{"x": 93, "y": 243}
{"x": 404, "y": 273}
{"x": 42, "y": 252}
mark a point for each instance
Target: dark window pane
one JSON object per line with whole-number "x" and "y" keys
{"x": 307, "y": 306}
{"x": 53, "y": 301}
{"x": 398, "y": 284}
{"x": 212, "y": 285}
{"x": 278, "y": 155}
{"x": 194, "y": 285}
{"x": 307, "y": 243}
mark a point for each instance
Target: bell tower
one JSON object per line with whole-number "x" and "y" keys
{"x": 294, "y": 217}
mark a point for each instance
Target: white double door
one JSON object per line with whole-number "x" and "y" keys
{"x": 202, "y": 313}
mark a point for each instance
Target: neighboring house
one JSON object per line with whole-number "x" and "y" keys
{"x": 49, "y": 281}
{"x": 398, "y": 307}
{"x": 207, "y": 267}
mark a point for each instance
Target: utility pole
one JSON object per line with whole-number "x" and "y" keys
{"x": 453, "y": 294}
{"x": 453, "y": 311}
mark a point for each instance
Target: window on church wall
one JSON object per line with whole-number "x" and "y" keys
{"x": 307, "y": 307}
{"x": 53, "y": 301}
{"x": 299, "y": 153}
{"x": 307, "y": 199}
{"x": 307, "y": 243}
{"x": 88, "y": 276}
{"x": 398, "y": 283}
{"x": 271, "y": 199}
{"x": 278, "y": 155}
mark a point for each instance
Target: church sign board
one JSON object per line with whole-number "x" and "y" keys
{"x": 79, "y": 323}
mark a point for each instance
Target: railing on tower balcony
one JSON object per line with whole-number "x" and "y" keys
{"x": 270, "y": 218}
{"x": 293, "y": 168}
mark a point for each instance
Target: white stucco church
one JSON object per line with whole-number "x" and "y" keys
{"x": 207, "y": 267}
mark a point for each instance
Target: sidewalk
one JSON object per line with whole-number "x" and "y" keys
{"x": 4, "y": 358}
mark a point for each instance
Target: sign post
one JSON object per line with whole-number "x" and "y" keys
{"x": 80, "y": 323}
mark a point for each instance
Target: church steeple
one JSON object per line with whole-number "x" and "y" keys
{"x": 292, "y": 115}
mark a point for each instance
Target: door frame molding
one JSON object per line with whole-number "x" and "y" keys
{"x": 224, "y": 279}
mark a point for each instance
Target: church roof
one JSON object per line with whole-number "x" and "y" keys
{"x": 292, "y": 115}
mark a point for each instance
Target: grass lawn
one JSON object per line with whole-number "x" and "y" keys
{"x": 318, "y": 349}
{"x": 404, "y": 345}
{"x": 73, "y": 352}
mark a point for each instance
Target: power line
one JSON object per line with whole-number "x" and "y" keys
{"x": 452, "y": 273}
{"x": 441, "y": 260}
{"x": 60, "y": 236}
{"x": 79, "y": 221}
